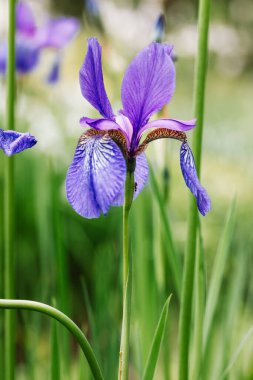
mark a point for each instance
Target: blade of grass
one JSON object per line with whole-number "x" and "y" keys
{"x": 9, "y": 349}
{"x": 200, "y": 289}
{"x": 172, "y": 254}
{"x": 189, "y": 266}
{"x": 156, "y": 344}
{"x": 218, "y": 271}
{"x": 236, "y": 353}
{"x": 55, "y": 357}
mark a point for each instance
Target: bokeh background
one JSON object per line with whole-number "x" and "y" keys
{"x": 75, "y": 263}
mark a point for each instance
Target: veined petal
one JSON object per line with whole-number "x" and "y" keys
{"x": 191, "y": 179}
{"x": 174, "y": 124}
{"x": 12, "y": 142}
{"x": 57, "y": 33}
{"x": 148, "y": 83}
{"x": 25, "y": 22}
{"x": 140, "y": 178}
{"x": 96, "y": 175}
{"x": 92, "y": 82}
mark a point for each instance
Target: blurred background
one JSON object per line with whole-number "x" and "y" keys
{"x": 74, "y": 263}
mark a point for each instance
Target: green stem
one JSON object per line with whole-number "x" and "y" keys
{"x": 65, "y": 321}
{"x": 9, "y": 348}
{"x": 127, "y": 275}
{"x": 188, "y": 275}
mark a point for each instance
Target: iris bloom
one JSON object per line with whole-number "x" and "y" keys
{"x": 12, "y": 142}
{"x": 96, "y": 176}
{"x": 31, "y": 40}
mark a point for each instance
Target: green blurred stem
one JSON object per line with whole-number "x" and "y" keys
{"x": 127, "y": 274}
{"x": 65, "y": 321}
{"x": 9, "y": 329}
{"x": 188, "y": 275}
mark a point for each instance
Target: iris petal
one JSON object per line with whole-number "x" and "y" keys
{"x": 174, "y": 124}
{"x": 57, "y": 33}
{"x": 92, "y": 82}
{"x": 148, "y": 83}
{"x": 191, "y": 179}
{"x": 96, "y": 176}
{"x": 12, "y": 142}
{"x": 25, "y": 22}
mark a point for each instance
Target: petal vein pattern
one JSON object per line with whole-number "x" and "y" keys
{"x": 96, "y": 176}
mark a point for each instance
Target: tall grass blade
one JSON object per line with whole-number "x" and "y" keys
{"x": 156, "y": 344}
{"x": 218, "y": 271}
{"x": 172, "y": 254}
{"x": 236, "y": 353}
{"x": 55, "y": 357}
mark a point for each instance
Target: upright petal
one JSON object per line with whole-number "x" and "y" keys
{"x": 191, "y": 179}
{"x": 12, "y": 142}
{"x": 57, "y": 33}
{"x": 25, "y": 22}
{"x": 92, "y": 82}
{"x": 140, "y": 179}
{"x": 96, "y": 175}
{"x": 148, "y": 83}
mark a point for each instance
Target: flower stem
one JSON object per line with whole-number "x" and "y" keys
{"x": 65, "y": 321}
{"x": 127, "y": 274}
{"x": 9, "y": 348}
{"x": 188, "y": 275}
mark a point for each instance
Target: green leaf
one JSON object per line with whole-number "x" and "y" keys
{"x": 173, "y": 257}
{"x": 156, "y": 344}
{"x": 218, "y": 271}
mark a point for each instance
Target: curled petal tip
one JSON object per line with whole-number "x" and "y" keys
{"x": 203, "y": 202}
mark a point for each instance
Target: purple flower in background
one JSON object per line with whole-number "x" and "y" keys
{"x": 96, "y": 176}
{"x": 31, "y": 40}
{"x": 12, "y": 142}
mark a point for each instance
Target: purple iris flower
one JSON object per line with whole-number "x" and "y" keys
{"x": 31, "y": 40}
{"x": 12, "y": 142}
{"x": 96, "y": 176}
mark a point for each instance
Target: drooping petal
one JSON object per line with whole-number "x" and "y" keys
{"x": 27, "y": 55}
{"x": 148, "y": 83}
{"x": 92, "y": 82}
{"x": 25, "y": 22}
{"x": 191, "y": 179}
{"x": 3, "y": 58}
{"x": 96, "y": 175}
{"x": 57, "y": 33}
{"x": 174, "y": 124}
{"x": 12, "y": 142}
{"x": 54, "y": 74}
{"x": 140, "y": 178}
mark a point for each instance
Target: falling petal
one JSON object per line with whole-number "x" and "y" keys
{"x": 92, "y": 82}
{"x": 191, "y": 179}
{"x": 148, "y": 83}
{"x": 96, "y": 175}
{"x": 12, "y": 142}
{"x": 54, "y": 73}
